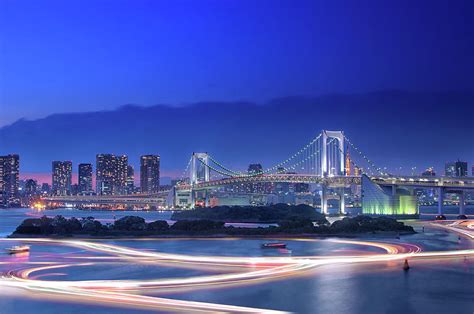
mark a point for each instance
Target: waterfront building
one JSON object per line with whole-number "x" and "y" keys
{"x": 61, "y": 178}
{"x": 9, "y": 180}
{"x": 105, "y": 174}
{"x": 121, "y": 174}
{"x": 85, "y": 179}
{"x": 150, "y": 174}
{"x": 111, "y": 174}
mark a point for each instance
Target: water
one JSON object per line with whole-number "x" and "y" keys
{"x": 431, "y": 286}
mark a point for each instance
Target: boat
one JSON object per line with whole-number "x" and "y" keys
{"x": 18, "y": 249}
{"x": 274, "y": 245}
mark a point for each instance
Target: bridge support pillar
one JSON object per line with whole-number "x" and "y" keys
{"x": 342, "y": 202}
{"x": 324, "y": 199}
{"x": 440, "y": 200}
{"x": 461, "y": 203}
{"x": 193, "y": 199}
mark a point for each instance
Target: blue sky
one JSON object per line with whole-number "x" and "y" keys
{"x": 95, "y": 55}
{"x": 69, "y": 56}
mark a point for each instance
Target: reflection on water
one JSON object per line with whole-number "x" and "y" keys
{"x": 310, "y": 285}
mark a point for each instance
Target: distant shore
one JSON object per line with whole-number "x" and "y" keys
{"x": 381, "y": 234}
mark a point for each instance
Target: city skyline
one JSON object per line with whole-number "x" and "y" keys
{"x": 406, "y": 141}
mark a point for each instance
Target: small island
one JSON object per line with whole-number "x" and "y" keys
{"x": 301, "y": 220}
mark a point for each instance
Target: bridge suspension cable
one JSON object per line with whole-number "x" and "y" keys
{"x": 280, "y": 171}
{"x": 183, "y": 176}
{"x": 306, "y": 149}
{"x": 370, "y": 162}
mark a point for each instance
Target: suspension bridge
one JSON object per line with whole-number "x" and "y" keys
{"x": 325, "y": 162}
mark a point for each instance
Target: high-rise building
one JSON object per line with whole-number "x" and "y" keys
{"x": 105, "y": 174}
{"x": 9, "y": 180}
{"x": 150, "y": 174}
{"x": 85, "y": 179}
{"x": 45, "y": 188}
{"x": 31, "y": 187}
{"x": 62, "y": 175}
{"x": 111, "y": 174}
{"x": 121, "y": 174}
{"x": 348, "y": 162}
{"x": 456, "y": 169}
{"x": 130, "y": 179}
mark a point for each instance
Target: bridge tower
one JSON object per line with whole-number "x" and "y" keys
{"x": 333, "y": 162}
{"x": 199, "y": 170}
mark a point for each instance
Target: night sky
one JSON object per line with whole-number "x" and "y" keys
{"x": 87, "y": 56}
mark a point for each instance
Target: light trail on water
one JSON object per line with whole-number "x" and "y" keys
{"x": 244, "y": 271}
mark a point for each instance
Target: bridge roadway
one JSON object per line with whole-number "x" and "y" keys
{"x": 444, "y": 184}
{"x": 135, "y": 199}
{"x": 455, "y": 183}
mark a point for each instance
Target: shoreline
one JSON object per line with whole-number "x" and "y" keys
{"x": 288, "y": 236}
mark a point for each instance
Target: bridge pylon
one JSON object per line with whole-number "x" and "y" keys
{"x": 199, "y": 170}
{"x": 332, "y": 159}
{"x": 332, "y": 164}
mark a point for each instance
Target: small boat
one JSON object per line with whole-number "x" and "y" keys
{"x": 274, "y": 245}
{"x": 18, "y": 249}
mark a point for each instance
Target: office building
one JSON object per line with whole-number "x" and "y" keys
{"x": 61, "y": 178}
{"x": 9, "y": 180}
{"x": 84, "y": 179}
{"x": 150, "y": 174}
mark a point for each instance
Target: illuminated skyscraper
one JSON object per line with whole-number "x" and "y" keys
{"x": 61, "y": 175}
{"x": 348, "y": 162}
{"x": 111, "y": 174}
{"x": 121, "y": 173}
{"x": 85, "y": 179}
{"x": 456, "y": 169}
{"x": 9, "y": 180}
{"x": 130, "y": 179}
{"x": 150, "y": 174}
{"x": 105, "y": 174}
